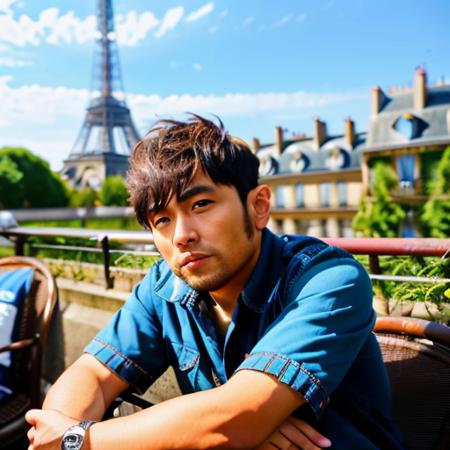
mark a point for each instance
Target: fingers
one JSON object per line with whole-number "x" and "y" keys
{"x": 277, "y": 442}
{"x": 32, "y": 416}
{"x": 312, "y": 434}
{"x": 30, "y": 434}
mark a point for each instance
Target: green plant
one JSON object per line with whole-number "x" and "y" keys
{"x": 379, "y": 216}
{"x": 436, "y": 211}
{"x": 136, "y": 261}
{"x": 114, "y": 192}
{"x": 27, "y": 181}
{"x": 427, "y": 293}
{"x": 86, "y": 198}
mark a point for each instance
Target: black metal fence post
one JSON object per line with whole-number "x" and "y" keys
{"x": 106, "y": 259}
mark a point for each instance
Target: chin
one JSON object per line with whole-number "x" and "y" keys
{"x": 205, "y": 284}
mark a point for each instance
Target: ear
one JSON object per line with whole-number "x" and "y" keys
{"x": 259, "y": 204}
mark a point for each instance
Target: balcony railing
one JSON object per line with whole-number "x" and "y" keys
{"x": 141, "y": 243}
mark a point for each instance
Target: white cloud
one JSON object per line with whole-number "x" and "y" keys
{"x": 55, "y": 28}
{"x": 170, "y": 20}
{"x": 38, "y": 104}
{"x": 236, "y": 104}
{"x": 52, "y": 116}
{"x": 5, "y": 6}
{"x": 35, "y": 103}
{"x": 248, "y": 20}
{"x": 134, "y": 27}
{"x": 201, "y": 12}
{"x": 51, "y": 27}
{"x": 283, "y": 21}
{"x": 198, "y": 67}
{"x": 12, "y": 62}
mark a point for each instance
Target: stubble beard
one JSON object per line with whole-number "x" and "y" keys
{"x": 211, "y": 282}
{"x": 208, "y": 282}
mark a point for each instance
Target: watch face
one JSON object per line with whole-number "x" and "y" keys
{"x": 73, "y": 441}
{"x": 73, "y": 438}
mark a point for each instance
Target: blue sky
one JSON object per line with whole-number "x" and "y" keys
{"x": 255, "y": 63}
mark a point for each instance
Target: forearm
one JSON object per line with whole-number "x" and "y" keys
{"x": 219, "y": 418}
{"x": 80, "y": 391}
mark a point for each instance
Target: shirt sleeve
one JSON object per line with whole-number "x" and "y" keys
{"x": 325, "y": 320}
{"x": 131, "y": 344}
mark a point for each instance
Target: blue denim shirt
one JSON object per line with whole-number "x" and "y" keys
{"x": 304, "y": 316}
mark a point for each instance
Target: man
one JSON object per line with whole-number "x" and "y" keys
{"x": 258, "y": 328}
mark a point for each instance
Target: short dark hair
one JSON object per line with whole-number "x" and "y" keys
{"x": 165, "y": 161}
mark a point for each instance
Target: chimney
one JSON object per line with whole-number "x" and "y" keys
{"x": 349, "y": 131}
{"x": 320, "y": 132}
{"x": 377, "y": 100}
{"x": 420, "y": 89}
{"x": 279, "y": 141}
{"x": 256, "y": 145}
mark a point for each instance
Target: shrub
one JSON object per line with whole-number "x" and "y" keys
{"x": 114, "y": 192}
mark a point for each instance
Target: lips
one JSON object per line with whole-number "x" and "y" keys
{"x": 193, "y": 260}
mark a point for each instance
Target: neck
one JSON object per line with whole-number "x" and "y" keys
{"x": 226, "y": 297}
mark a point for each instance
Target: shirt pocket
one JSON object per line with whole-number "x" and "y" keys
{"x": 186, "y": 364}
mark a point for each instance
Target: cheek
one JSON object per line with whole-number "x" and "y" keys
{"x": 162, "y": 245}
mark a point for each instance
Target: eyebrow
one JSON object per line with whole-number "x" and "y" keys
{"x": 195, "y": 190}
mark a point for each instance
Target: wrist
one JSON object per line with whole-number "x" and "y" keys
{"x": 77, "y": 436}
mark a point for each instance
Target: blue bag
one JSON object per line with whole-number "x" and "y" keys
{"x": 14, "y": 288}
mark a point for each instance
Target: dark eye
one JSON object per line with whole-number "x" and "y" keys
{"x": 202, "y": 203}
{"x": 161, "y": 220}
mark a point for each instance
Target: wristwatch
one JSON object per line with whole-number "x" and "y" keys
{"x": 73, "y": 438}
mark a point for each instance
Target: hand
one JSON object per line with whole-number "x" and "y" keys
{"x": 47, "y": 428}
{"x": 295, "y": 434}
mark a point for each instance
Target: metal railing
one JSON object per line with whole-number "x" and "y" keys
{"x": 373, "y": 247}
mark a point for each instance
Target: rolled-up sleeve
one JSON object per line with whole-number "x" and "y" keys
{"x": 131, "y": 344}
{"x": 325, "y": 319}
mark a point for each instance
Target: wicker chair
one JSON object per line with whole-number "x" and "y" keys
{"x": 28, "y": 351}
{"x": 417, "y": 356}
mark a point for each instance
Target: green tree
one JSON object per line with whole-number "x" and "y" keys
{"x": 436, "y": 211}
{"x": 11, "y": 188}
{"x": 379, "y": 216}
{"x": 38, "y": 186}
{"x": 84, "y": 198}
{"x": 114, "y": 192}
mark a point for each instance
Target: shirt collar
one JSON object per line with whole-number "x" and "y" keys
{"x": 266, "y": 273}
{"x": 264, "y": 277}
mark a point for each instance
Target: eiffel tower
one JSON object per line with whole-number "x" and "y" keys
{"x": 108, "y": 134}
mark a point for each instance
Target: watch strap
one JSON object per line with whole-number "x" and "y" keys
{"x": 86, "y": 424}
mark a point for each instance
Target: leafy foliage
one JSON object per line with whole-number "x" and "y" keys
{"x": 437, "y": 293}
{"x": 27, "y": 181}
{"x": 114, "y": 192}
{"x": 136, "y": 261}
{"x": 436, "y": 211}
{"x": 84, "y": 198}
{"x": 10, "y": 182}
{"x": 379, "y": 216}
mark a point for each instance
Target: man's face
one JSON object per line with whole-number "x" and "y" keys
{"x": 206, "y": 237}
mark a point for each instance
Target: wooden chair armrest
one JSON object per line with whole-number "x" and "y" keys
{"x": 420, "y": 328}
{"x": 19, "y": 345}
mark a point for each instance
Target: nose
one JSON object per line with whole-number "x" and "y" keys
{"x": 185, "y": 233}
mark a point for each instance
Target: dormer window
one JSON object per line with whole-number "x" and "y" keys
{"x": 299, "y": 163}
{"x": 337, "y": 159}
{"x": 268, "y": 165}
{"x": 407, "y": 125}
